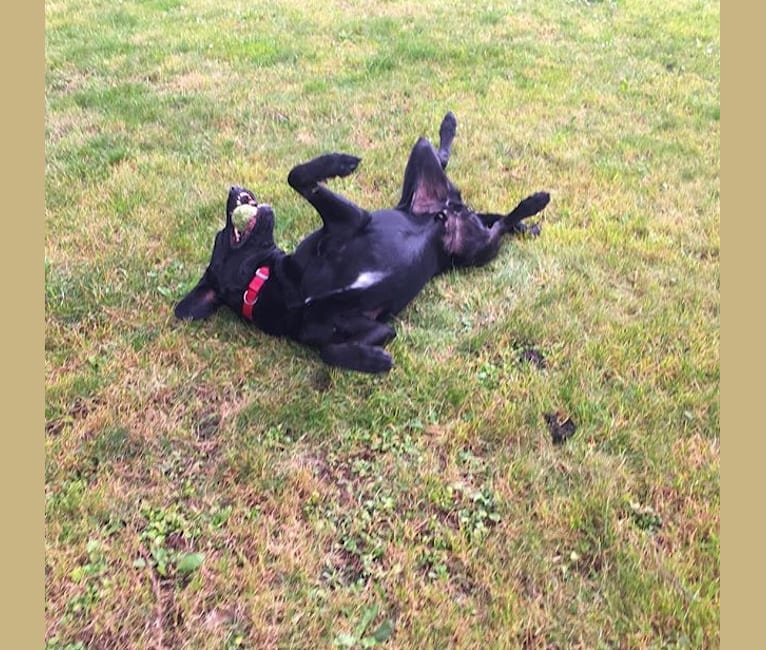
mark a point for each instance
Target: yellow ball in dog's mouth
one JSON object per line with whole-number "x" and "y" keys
{"x": 243, "y": 213}
{"x": 243, "y": 219}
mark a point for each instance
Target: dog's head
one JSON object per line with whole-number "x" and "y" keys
{"x": 237, "y": 252}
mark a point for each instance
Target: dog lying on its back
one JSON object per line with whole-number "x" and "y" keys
{"x": 344, "y": 281}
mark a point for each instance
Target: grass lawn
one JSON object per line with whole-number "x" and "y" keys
{"x": 210, "y": 487}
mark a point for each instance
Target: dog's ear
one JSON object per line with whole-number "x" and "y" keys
{"x": 430, "y": 195}
{"x": 426, "y": 188}
{"x": 199, "y": 303}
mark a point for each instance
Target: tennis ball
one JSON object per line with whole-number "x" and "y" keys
{"x": 243, "y": 213}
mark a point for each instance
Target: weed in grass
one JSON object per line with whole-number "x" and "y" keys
{"x": 479, "y": 512}
{"x": 91, "y": 577}
{"x": 645, "y": 517}
{"x": 359, "y": 638}
{"x": 168, "y": 538}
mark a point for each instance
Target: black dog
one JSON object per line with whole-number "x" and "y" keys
{"x": 344, "y": 281}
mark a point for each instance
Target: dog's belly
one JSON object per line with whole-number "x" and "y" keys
{"x": 402, "y": 255}
{"x": 380, "y": 269}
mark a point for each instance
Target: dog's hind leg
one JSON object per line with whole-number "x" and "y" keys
{"x": 480, "y": 234}
{"x": 363, "y": 350}
{"x": 357, "y": 344}
{"x": 353, "y": 341}
{"x": 512, "y": 222}
{"x": 337, "y": 212}
{"x": 447, "y": 132}
{"x": 361, "y": 329}
{"x": 319, "y": 330}
{"x": 528, "y": 207}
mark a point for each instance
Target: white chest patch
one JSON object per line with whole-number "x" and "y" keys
{"x": 363, "y": 280}
{"x": 367, "y": 279}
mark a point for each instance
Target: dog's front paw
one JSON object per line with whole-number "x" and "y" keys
{"x": 357, "y": 356}
{"x": 345, "y": 164}
{"x": 377, "y": 361}
{"x": 533, "y": 230}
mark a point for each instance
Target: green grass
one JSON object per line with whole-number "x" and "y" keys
{"x": 210, "y": 487}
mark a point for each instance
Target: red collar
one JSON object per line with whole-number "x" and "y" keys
{"x": 252, "y": 291}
